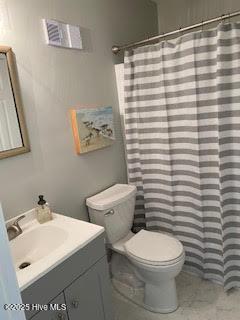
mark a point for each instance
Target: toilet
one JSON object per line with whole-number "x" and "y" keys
{"x": 157, "y": 258}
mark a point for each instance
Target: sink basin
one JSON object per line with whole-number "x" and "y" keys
{"x": 41, "y": 247}
{"x": 36, "y": 244}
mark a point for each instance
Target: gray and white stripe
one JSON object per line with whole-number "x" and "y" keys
{"x": 182, "y": 120}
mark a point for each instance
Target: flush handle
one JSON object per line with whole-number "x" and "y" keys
{"x": 109, "y": 213}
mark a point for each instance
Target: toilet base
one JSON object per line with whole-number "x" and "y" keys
{"x": 161, "y": 298}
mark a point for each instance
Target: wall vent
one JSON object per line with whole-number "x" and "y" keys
{"x": 62, "y": 35}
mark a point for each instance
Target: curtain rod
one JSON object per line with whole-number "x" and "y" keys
{"x": 117, "y": 49}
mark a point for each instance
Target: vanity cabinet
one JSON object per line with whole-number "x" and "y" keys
{"x": 81, "y": 282}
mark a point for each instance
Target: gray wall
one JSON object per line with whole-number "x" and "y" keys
{"x": 53, "y": 80}
{"x": 174, "y": 14}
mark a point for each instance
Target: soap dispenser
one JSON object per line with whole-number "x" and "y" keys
{"x": 44, "y": 213}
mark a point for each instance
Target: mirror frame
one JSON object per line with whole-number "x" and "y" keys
{"x": 12, "y": 69}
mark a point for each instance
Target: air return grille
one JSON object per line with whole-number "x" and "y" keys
{"x": 62, "y": 35}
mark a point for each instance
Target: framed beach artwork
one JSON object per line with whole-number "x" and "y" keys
{"x": 92, "y": 128}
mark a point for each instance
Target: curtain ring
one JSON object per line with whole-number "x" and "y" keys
{"x": 222, "y": 19}
{"x": 180, "y": 31}
{"x": 229, "y": 17}
{"x": 163, "y": 37}
{"x": 202, "y": 26}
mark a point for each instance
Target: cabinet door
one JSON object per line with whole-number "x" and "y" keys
{"x": 84, "y": 297}
{"x": 57, "y": 313}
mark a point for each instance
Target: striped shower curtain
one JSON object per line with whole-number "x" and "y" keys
{"x": 182, "y": 126}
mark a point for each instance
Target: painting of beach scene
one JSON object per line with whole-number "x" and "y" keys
{"x": 92, "y": 128}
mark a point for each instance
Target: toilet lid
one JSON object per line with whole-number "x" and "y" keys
{"x": 154, "y": 247}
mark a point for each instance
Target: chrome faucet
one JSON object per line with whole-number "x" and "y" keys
{"x": 14, "y": 230}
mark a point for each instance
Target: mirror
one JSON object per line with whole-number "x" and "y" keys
{"x": 13, "y": 131}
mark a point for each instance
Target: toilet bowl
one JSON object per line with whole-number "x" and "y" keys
{"x": 157, "y": 258}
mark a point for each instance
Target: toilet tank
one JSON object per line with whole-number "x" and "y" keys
{"x": 113, "y": 209}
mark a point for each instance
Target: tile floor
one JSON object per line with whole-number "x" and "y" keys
{"x": 199, "y": 300}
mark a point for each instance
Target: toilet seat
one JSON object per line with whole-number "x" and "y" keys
{"x": 156, "y": 263}
{"x": 154, "y": 248}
